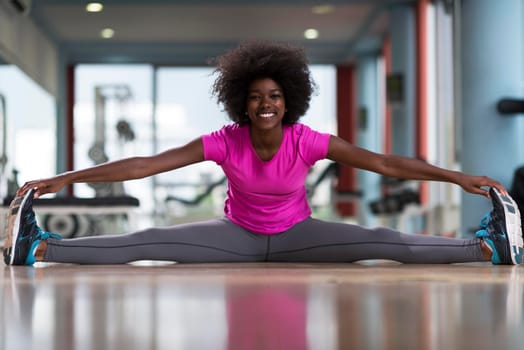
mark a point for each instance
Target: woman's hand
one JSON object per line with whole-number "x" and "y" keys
{"x": 479, "y": 184}
{"x": 43, "y": 186}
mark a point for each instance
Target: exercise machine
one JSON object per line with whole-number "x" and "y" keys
{"x": 97, "y": 153}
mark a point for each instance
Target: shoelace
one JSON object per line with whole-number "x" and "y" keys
{"x": 487, "y": 225}
{"x": 30, "y": 223}
{"x": 41, "y": 234}
{"x": 486, "y": 219}
{"x": 494, "y": 227}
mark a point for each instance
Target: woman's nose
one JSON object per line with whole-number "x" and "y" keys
{"x": 265, "y": 101}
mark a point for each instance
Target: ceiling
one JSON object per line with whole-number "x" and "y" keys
{"x": 189, "y": 32}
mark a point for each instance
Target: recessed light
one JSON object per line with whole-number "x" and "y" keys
{"x": 322, "y": 9}
{"x": 311, "y": 33}
{"x": 107, "y": 33}
{"x": 94, "y": 7}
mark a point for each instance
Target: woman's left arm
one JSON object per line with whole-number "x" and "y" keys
{"x": 345, "y": 153}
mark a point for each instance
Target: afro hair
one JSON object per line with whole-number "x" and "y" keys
{"x": 285, "y": 64}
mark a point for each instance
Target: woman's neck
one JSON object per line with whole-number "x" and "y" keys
{"x": 266, "y": 142}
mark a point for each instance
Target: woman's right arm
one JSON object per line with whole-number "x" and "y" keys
{"x": 121, "y": 170}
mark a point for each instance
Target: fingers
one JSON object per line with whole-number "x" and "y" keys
{"x": 22, "y": 190}
{"x": 488, "y": 182}
{"x": 502, "y": 189}
{"x": 42, "y": 186}
{"x": 481, "y": 185}
{"x": 37, "y": 185}
{"x": 498, "y": 186}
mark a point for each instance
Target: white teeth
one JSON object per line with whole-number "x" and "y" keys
{"x": 266, "y": 115}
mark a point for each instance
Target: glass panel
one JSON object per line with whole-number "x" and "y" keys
{"x": 29, "y": 134}
{"x": 186, "y": 110}
{"x": 322, "y": 116}
{"x": 113, "y": 120}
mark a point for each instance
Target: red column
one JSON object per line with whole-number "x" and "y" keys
{"x": 346, "y": 121}
{"x": 69, "y": 120}
{"x": 421, "y": 90}
{"x": 386, "y": 54}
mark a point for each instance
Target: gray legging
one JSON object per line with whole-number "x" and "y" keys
{"x": 220, "y": 240}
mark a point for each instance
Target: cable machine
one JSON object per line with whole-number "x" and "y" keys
{"x": 97, "y": 153}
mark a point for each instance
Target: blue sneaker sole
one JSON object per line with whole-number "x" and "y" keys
{"x": 13, "y": 226}
{"x": 512, "y": 224}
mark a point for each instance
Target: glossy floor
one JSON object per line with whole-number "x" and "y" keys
{"x": 262, "y": 306}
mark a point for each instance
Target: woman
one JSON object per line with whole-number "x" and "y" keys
{"x": 266, "y": 154}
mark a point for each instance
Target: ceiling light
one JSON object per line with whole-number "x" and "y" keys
{"x": 322, "y": 9}
{"x": 107, "y": 33}
{"x": 311, "y": 33}
{"x": 94, "y": 7}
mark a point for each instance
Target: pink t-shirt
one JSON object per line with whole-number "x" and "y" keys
{"x": 266, "y": 197}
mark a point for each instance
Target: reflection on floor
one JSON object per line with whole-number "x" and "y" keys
{"x": 379, "y": 305}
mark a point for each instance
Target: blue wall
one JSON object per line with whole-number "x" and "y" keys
{"x": 492, "y": 68}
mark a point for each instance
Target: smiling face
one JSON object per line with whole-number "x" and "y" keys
{"x": 265, "y": 104}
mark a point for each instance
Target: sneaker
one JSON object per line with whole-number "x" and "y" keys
{"x": 502, "y": 230}
{"x": 23, "y": 233}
